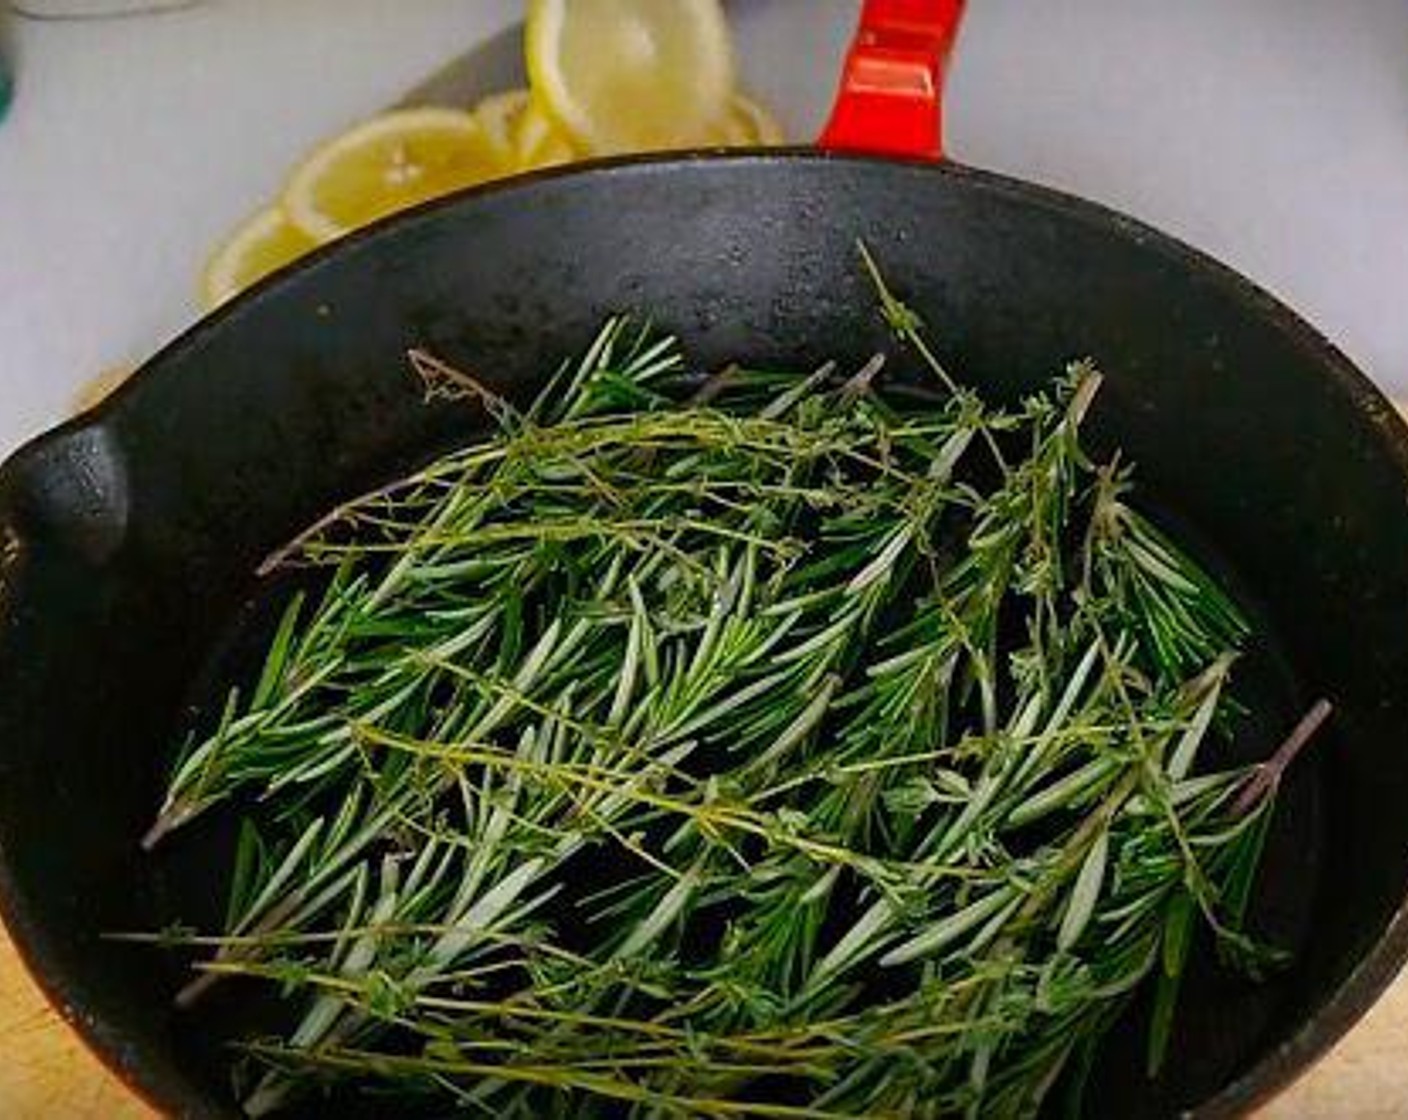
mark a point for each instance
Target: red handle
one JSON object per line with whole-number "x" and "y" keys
{"x": 890, "y": 97}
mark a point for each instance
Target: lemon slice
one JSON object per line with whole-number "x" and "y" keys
{"x": 496, "y": 115}
{"x": 522, "y": 134}
{"x": 630, "y": 75}
{"x": 264, "y": 243}
{"x": 537, "y": 141}
{"x": 393, "y": 161}
{"x": 747, "y": 125}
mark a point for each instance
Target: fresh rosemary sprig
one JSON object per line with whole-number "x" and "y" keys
{"x": 773, "y": 746}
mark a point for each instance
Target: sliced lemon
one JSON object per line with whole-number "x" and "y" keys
{"x": 630, "y": 75}
{"x": 496, "y": 115}
{"x": 748, "y": 125}
{"x": 393, "y": 161}
{"x": 521, "y": 132}
{"x": 264, "y": 243}
{"x": 537, "y": 141}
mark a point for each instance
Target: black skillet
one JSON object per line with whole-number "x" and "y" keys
{"x": 129, "y": 536}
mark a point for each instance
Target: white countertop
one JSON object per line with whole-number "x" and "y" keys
{"x": 1272, "y": 133}
{"x": 135, "y": 144}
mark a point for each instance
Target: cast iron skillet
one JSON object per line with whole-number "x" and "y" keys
{"x": 128, "y": 537}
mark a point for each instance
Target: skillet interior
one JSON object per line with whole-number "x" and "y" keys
{"x": 129, "y": 536}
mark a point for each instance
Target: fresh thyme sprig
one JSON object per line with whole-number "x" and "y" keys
{"x": 776, "y": 746}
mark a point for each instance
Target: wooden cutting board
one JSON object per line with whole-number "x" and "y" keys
{"x": 47, "y": 1074}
